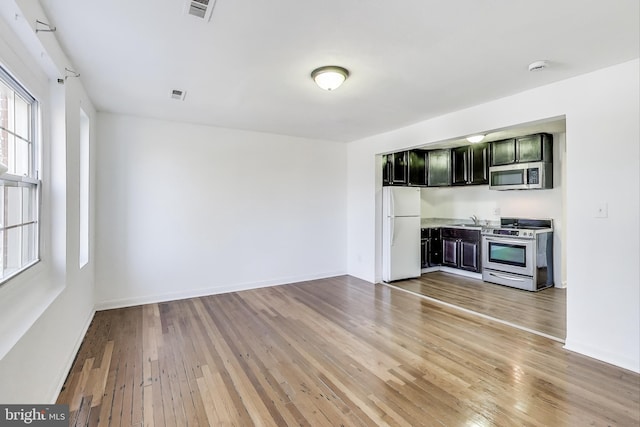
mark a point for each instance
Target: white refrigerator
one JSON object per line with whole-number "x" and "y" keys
{"x": 400, "y": 233}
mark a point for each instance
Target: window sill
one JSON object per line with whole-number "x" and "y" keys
{"x": 18, "y": 272}
{"x": 23, "y": 300}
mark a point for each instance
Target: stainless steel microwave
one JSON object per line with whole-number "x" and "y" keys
{"x": 521, "y": 176}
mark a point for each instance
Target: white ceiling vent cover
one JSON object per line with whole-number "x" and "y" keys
{"x": 177, "y": 94}
{"x": 200, "y": 8}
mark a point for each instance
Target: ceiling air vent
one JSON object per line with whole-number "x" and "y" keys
{"x": 177, "y": 94}
{"x": 200, "y": 8}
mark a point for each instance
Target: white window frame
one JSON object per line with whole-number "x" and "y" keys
{"x": 85, "y": 144}
{"x": 28, "y": 229}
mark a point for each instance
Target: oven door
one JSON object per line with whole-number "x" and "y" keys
{"x": 508, "y": 254}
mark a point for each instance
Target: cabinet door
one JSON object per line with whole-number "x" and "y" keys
{"x": 478, "y": 164}
{"x": 450, "y": 252}
{"x": 529, "y": 148}
{"x": 439, "y": 168}
{"x": 470, "y": 256}
{"x": 387, "y": 165}
{"x": 400, "y": 168}
{"x": 503, "y": 152}
{"x": 435, "y": 251}
{"x": 460, "y": 166}
{"x": 435, "y": 247}
{"x": 417, "y": 168}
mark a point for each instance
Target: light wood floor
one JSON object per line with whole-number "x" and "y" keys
{"x": 543, "y": 311}
{"x": 333, "y": 352}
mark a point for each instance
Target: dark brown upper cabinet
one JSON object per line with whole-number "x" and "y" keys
{"x": 525, "y": 149}
{"x": 470, "y": 165}
{"x": 395, "y": 168}
{"x": 405, "y": 168}
{"x": 418, "y": 168}
{"x": 439, "y": 168}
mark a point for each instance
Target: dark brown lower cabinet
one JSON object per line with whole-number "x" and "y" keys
{"x": 470, "y": 255}
{"x": 450, "y": 252}
{"x": 461, "y": 249}
{"x": 431, "y": 253}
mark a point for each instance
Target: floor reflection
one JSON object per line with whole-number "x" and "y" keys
{"x": 542, "y": 312}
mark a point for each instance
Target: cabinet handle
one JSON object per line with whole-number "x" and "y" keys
{"x": 466, "y": 167}
{"x": 500, "y": 276}
{"x": 522, "y": 242}
{"x": 484, "y": 163}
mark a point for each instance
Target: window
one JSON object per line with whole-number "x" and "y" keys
{"x": 19, "y": 185}
{"x": 84, "y": 188}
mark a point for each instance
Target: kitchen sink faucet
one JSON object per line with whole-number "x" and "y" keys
{"x": 475, "y": 219}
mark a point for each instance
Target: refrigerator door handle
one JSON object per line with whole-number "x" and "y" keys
{"x": 392, "y": 222}
{"x": 392, "y": 205}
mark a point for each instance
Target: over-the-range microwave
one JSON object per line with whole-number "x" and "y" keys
{"x": 521, "y": 176}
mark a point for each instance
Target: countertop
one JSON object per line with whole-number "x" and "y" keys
{"x": 456, "y": 223}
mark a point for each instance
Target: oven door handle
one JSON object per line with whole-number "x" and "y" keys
{"x": 500, "y": 276}
{"x": 502, "y": 240}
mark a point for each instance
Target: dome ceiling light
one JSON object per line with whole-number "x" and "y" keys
{"x": 474, "y": 139}
{"x": 330, "y": 77}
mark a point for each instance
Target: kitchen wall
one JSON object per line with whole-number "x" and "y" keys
{"x": 462, "y": 202}
{"x": 44, "y": 311}
{"x": 187, "y": 210}
{"x": 602, "y": 167}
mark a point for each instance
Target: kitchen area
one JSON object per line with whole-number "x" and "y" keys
{"x": 487, "y": 220}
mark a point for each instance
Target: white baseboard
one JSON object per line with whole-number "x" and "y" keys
{"x": 72, "y": 358}
{"x": 603, "y": 355}
{"x": 194, "y": 293}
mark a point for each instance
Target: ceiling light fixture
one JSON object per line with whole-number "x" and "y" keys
{"x": 474, "y": 139}
{"x": 538, "y": 65}
{"x": 330, "y": 77}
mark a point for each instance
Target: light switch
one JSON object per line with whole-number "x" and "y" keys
{"x": 601, "y": 210}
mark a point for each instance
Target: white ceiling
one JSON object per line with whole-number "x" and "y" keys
{"x": 410, "y": 60}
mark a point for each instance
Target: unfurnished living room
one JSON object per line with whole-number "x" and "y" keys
{"x": 335, "y": 213}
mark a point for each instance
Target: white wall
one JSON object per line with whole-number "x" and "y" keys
{"x": 45, "y": 311}
{"x": 188, "y": 210}
{"x": 602, "y": 166}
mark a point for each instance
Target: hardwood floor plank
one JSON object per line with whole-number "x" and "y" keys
{"x": 329, "y": 352}
{"x": 81, "y": 385}
{"x": 148, "y": 411}
{"x": 83, "y": 411}
{"x": 106, "y": 405}
{"x": 137, "y": 381}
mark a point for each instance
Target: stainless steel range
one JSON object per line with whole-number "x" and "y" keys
{"x": 519, "y": 253}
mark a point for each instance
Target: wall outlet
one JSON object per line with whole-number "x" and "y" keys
{"x": 496, "y": 211}
{"x": 601, "y": 210}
